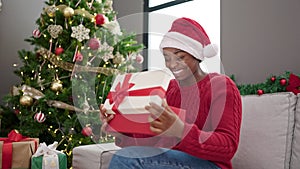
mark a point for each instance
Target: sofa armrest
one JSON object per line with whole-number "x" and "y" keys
{"x": 295, "y": 160}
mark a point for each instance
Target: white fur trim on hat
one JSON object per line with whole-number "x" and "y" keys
{"x": 187, "y": 44}
{"x": 210, "y": 50}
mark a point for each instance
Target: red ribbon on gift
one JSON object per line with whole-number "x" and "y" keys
{"x": 13, "y": 136}
{"x": 122, "y": 90}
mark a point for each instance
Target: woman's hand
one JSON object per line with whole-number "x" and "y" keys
{"x": 105, "y": 118}
{"x": 164, "y": 121}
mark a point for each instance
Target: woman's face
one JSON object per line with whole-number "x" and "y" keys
{"x": 183, "y": 65}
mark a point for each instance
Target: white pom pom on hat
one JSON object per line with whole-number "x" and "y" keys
{"x": 189, "y": 36}
{"x": 210, "y": 50}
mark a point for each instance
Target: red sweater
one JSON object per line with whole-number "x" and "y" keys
{"x": 213, "y": 117}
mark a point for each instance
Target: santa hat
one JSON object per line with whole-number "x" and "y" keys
{"x": 189, "y": 36}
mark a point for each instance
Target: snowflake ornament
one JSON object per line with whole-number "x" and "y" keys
{"x": 80, "y": 32}
{"x": 108, "y": 51}
{"x": 55, "y": 30}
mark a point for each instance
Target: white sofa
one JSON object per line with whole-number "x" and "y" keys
{"x": 270, "y": 132}
{"x": 270, "y": 136}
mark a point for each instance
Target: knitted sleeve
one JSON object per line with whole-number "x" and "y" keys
{"x": 218, "y": 139}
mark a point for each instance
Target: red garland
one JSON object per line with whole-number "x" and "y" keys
{"x": 260, "y": 92}
{"x": 294, "y": 84}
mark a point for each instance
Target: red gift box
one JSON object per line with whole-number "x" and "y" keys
{"x": 136, "y": 123}
{"x": 129, "y": 95}
{"x": 16, "y": 150}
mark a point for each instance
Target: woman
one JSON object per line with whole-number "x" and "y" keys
{"x": 209, "y": 136}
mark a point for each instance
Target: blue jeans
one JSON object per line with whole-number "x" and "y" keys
{"x": 138, "y": 157}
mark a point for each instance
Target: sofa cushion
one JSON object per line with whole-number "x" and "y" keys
{"x": 295, "y": 160}
{"x": 266, "y": 131}
{"x": 93, "y": 156}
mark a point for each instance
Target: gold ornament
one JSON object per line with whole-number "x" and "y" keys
{"x": 26, "y": 100}
{"x": 56, "y": 86}
{"x": 50, "y": 10}
{"x": 77, "y": 11}
{"x": 68, "y": 12}
{"x": 118, "y": 59}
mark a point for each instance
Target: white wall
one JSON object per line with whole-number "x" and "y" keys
{"x": 260, "y": 38}
{"x": 17, "y": 19}
{"x": 207, "y": 13}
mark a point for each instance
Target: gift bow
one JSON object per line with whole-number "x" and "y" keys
{"x": 49, "y": 153}
{"x": 13, "y": 136}
{"x": 43, "y": 149}
{"x": 121, "y": 91}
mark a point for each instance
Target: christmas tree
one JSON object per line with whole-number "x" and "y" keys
{"x": 78, "y": 48}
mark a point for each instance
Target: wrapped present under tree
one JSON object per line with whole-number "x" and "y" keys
{"x": 16, "y": 150}
{"x": 47, "y": 157}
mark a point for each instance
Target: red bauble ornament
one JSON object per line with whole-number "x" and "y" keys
{"x": 283, "y": 82}
{"x": 59, "y": 50}
{"x": 94, "y": 43}
{"x": 273, "y": 78}
{"x": 78, "y": 57}
{"x": 260, "y": 92}
{"x": 36, "y": 33}
{"x": 70, "y": 99}
{"x": 17, "y": 111}
{"x": 139, "y": 59}
{"x": 87, "y": 131}
{"x": 100, "y": 19}
{"x": 40, "y": 117}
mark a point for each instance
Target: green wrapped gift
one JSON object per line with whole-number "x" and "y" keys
{"x": 37, "y": 162}
{"x": 47, "y": 157}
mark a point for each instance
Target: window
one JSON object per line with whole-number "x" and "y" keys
{"x": 153, "y": 3}
{"x": 160, "y": 17}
